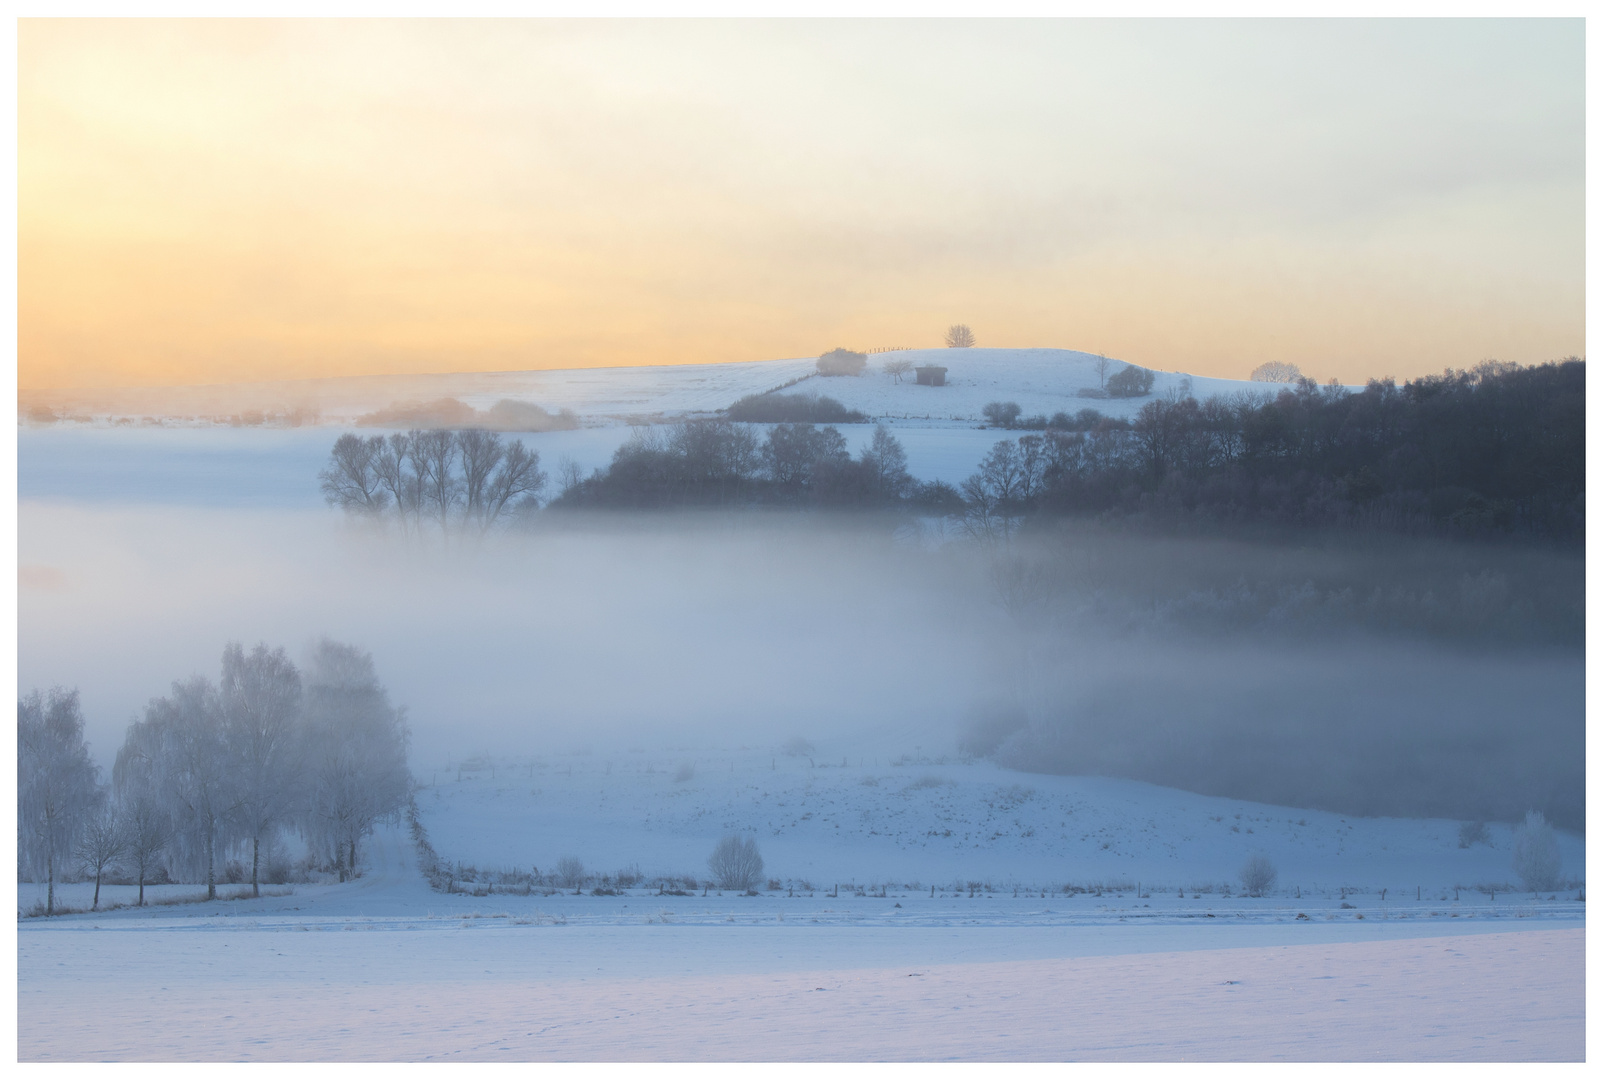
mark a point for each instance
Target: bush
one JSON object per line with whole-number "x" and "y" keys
{"x": 685, "y": 773}
{"x": 1258, "y": 875}
{"x": 736, "y": 864}
{"x": 1472, "y": 832}
{"x": 797, "y": 747}
{"x": 792, "y": 409}
{"x": 1001, "y": 413}
{"x": 1131, "y": 382}
{"x": 1536, "y": 857}
{"x": 570, "y": 872}
{"x": 842, "y": 362}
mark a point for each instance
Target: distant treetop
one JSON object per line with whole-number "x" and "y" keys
{"x": 959, "y": 337}
{"x": 1276, "y": 371}
{"x": 842, "y": 362}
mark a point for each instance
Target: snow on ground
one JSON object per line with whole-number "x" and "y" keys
{"x": 384, "y": 969}
{"x": 839, "y": 817}
{"x": 1040, "y": 381}
{"x": 263, "y": 467}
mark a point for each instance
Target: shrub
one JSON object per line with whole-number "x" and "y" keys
{"x": 792, "y": 409}
{"x": 842, "y": 362}
{"x": 1001, "y": 413}
{"x": 1472, "y": 832}
{"x": 685, "y": 773}
{"x": 1536, "y": 857}
{"x": 1258, "y": 875}
{"x": 570, "y": 872}
{"x": 797, "y": 747}
{"x": 1131, "y": 382}
{"x": 735, "y": 863}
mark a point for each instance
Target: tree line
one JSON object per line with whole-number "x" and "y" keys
{"x": 1498, "y": 449}
{"x": 434, "y": 480}
{"x": 213, "y": 770}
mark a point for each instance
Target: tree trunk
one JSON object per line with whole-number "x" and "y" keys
{"x": 255, "y": 859}
{"x": 141, "y": 884}
{"x": 353, "y": 857}
{"x": 211, "y": 866}
{"x": 50, "y": 882}
{"x": 96, "y": 905}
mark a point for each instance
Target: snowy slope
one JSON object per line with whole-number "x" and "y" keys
{"x": 872, "y": 822}
{"x": 1040, "y": 381}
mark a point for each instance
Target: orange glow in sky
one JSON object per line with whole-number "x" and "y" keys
{"x": 220, "y": 201}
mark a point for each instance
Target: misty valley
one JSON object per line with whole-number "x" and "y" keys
{"x": 766, "y": 678}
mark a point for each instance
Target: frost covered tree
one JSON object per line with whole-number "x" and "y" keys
{"x": 261, "y": 701}
{"x": 898, "y": 367}
{"x": 148, "y": 828}
{"x": 1258, "y": 875}
{"x": 102, "y": 841}
{"x": 355, "y": 756}
{"x": 57, "y": 785}
{"x": 179, "y": 754}
{"x": 735, "y": 863}
{"x": 570, "y": 872}
{"x": 1536, "y": 856}
{"x": 959, "y": 337}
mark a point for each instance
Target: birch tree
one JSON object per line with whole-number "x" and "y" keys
{"x": 261, "y": 702}
{"x": 57, "y": 784}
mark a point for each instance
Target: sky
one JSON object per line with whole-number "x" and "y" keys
{"x": 234, "y": 200}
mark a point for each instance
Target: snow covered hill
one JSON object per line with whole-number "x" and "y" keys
{"x": 1040, "y": 381}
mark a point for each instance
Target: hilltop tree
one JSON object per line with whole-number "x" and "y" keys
{"x": 1131, "y": 381}
{"x": 57, "y": 785}
{"x": 842, "y": 362}
{"x": 898, "y": 367}
{"x": 959, "y": 337}
{"x": 1276, "y": 371}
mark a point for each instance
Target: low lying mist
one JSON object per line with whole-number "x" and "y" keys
{"x": 1400, "y": 678}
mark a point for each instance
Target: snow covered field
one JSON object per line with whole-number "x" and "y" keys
{"x": 902, "y": 819}
{"x": 384, "y": 969}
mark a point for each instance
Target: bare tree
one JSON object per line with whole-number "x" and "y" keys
{"x": 1276, "y": 371}
{"x": 396, "y": 468}
{"x": 515, "y": 484}
{"x": 570, "y": 872}
{"x": 735, "y": 863}
{"x": 149, "y": 830}
{"x": 434, "y": 456}
{"x": 1101, "y": 365}
{"x": 57, "y": 784}
{"x": 101, "y": 843}
{"x": 959, "y": 337}
{"x": 1258, "y": 875}
{"x": 898, "y": 367}
{"x": 261, "y": 701}
{"x": 352, "y": 479}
